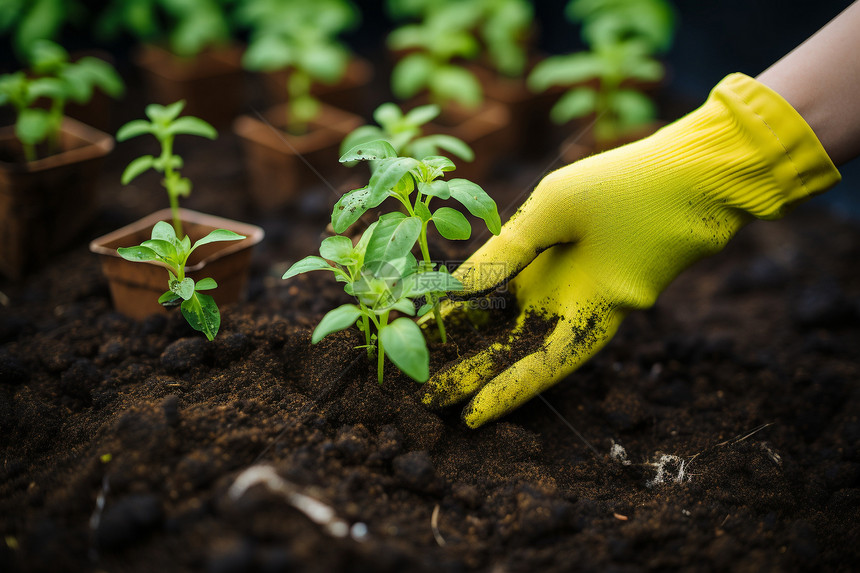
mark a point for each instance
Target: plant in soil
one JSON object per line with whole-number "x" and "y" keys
{"x": 300, "y": 37}
{"x": 54, "y": 77}
{"x": 186, "y": 28}
{"x": 623, "y": 39}
{"x": 165, "y": 124}
{"x": 380, "y": 270}
{"x": 405, "y": 134}
{"x": 165, "y": 247}
{"x": 168, "y": 245}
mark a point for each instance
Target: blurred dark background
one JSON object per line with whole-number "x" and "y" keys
{"x": 713, "y": 38}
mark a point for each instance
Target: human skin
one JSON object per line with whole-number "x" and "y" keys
{"x": 821, "y": 80}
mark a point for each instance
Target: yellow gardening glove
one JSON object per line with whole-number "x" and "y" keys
{"x": 607, "y": 234}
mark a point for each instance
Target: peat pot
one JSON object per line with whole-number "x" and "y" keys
{"x": 281, "y": 165}
{"x": 211, "y": 83}
{"x": 135, "y": 287}
{"x": 45, "y": 204}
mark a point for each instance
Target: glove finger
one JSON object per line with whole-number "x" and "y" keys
{"x": 567, "y": 348}
{"x": 464, "y": 378}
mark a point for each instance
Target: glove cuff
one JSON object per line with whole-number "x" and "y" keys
{"x": 763, "y": 157}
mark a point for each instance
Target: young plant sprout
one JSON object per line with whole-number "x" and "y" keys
{"x": 54, "y": 77}
{"x": 199, "y": 310}
{"x": 168, "y": 245}
{"x": 165, "y": 124}
{"x": 380, "y": 270}
{"x": 300, "y": 37}
{"x": 623, "y": 36}
{"x": 404, "y": 133}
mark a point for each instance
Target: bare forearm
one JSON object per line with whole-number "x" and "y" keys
{"x": 821, "y": 80}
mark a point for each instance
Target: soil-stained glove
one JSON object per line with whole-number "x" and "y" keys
{"x": 605, "y": 235}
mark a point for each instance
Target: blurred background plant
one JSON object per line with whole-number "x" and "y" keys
{"x": 28, "y": 21}
{"x": 301, "y": 37}
{"x": 606, "y": 81}
{"x": 184, "y": 27}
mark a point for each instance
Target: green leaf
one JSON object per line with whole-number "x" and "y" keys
{"x": 216, "y": 236}
{"x": 162, "y": 248}
{"x": 206, "y": 284}
{"x": 405, "y": 346}
{"x": 411, "y": 74}
{"x": 164, "y": 114}
{"x": 453, "y": 83}
{"x": 164, "y": 231}
{"x": 405, "y": 306}
{"x": 386, "y": 176}
{"x": 169, "y": 298}
{"x": 325, "y": 62}
{"x": 378, "y": 149}
{"x": 307, "y": 264}
{"x": 358, "y": 136}
{"x": 32, "y": 126}
{"x": 350, "y": 207}
{"x": 183, "y": 288}
{"x": 453, "y": 145}
{"x": 101, "y": 74}
{"x": 633, "y": 108}
{"x": 189, "y": 125}
{"x": 577, "y": 102}
{"x": 268, "y": 53}
{"x": 565, "y": 70}
{"x": 422, "y": 114}
{"x": 137, "y": 254}
{"x": 136, "y": 167}
{"x": 337, "y": 249}
{"x": 387, "y": 115}
{"x": 133, "y": 129}
{"x": 478, "y": 203}
{"x": 451, "y": 224}
{"x": 335, "y": 320}
{"x": 393, "y": 238}
{"x": 201, "y": 312}
{"x": 422, "y": 211}
{"x": 436, "y": 188}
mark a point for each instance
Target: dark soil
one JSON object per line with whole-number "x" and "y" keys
{"x": 722, "y": 426}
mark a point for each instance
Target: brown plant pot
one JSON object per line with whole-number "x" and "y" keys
{"x": 352, "y": 93}
{"x": 135, "y": 287}
{"x": 211, "y": 83}
{"x": 46, "y": 203}
{"x": 281, "y": 165}
{"x": 481, "y": 129}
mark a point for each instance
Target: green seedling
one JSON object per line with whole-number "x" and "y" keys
{"x": 186, "y": 27}
{"x": 500, "y": 27}
{"x": 404, "y": 133}
{"x": 380, "y": 270}
{"x": 199, "y": 310}
{"x": 54, "y": 77}
{"x": 434, "y": 45}
{"x": 300, "y": 37}
{"x": 622, "y": 49}
{"x": 29, "y": 21}
{"x": 165, "y": 124}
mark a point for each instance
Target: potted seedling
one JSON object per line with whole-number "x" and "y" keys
{"x": 284, "y": 32}
{"x": 379, "y": 270}
{"x": 605, "y": 83}
{"x": 199, "y": 251}
{"x": 186, "y": 52}
{"x": 431, "y": 69}
{"x": 49, "y": 163}
{"x": 293, "y": 146}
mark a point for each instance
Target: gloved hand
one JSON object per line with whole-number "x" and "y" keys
{"x": 605, "y": 235}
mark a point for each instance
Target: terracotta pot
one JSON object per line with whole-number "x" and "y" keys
{"x": 211, "y": 83}
{"x": 135, "y": 287}
{"x": 45, "y": 204}
{"x": 281, "y": 165}
{"x": 352, "y": 93}
{"x": 481, "y": 129}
